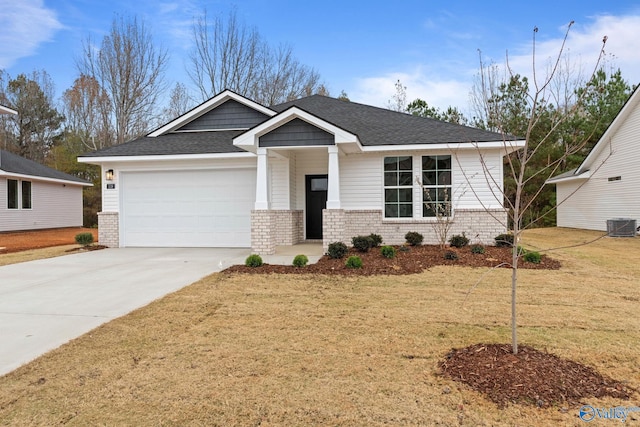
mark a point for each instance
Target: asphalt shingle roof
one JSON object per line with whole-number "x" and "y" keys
{"x": 13, "y": 163}
{"x": 379, "y": 126}
{"x": 175, "y": 143}
{"x": 374, "y": 127}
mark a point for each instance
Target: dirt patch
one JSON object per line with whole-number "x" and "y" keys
{"x": 18, "y": 241}
{"x": 531, "y": 377}
{"x": 410, "y": 260}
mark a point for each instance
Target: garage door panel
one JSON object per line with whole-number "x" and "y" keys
{"x": 205, "y": 208}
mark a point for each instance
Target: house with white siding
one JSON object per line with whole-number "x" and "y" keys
{"x": 606, "y": 185}
{"x": 34, "y": 196}
{"x": 234, "y": 173}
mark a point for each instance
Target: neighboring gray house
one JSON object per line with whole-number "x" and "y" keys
{"x": 234, "y": 173}
{"x": 606, "y": 185}
{"x": 33, "y": 196}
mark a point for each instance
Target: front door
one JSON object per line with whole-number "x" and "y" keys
{"x": 316, "y": 196}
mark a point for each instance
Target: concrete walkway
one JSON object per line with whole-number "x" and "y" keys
{"x": 46, "y": 303}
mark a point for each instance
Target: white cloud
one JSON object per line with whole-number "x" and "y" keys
{"x": 583, "y": 45}
{"x": 24, "y": 26}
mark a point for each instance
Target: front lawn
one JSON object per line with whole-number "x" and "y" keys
{"x": 235, "y": 349}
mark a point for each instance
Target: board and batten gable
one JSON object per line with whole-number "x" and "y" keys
{"x": 611, "y": 190}
{"x": 229, "y": 115}
{"x": 296, "y": 133}
{"x": 53, "y": 205}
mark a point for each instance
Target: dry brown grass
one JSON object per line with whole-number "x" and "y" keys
{"x": 34, "y": 254}
{"x": 302, "y": 350}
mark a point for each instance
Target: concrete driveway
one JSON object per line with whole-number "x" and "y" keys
{"x": 46, "y": 303}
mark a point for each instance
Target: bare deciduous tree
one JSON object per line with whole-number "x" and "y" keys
{"x": 130, "y": 69}
{"x": 542, "y": 120}
{"x": 230, "y": 55}
{"x": 180, "y": 102}
{"x": 86, "y": 106}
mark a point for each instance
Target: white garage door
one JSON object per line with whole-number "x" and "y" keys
{"x": 198, "y": 208}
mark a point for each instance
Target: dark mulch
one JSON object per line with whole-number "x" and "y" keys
{"x": 415, "y": 260}
{"x": 531, "y": 377}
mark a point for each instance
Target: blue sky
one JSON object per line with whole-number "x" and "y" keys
{"x": 359, "y": 47}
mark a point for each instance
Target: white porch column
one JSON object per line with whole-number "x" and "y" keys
{"x": 333, "y": 191}
{"x": 262, "y": 189}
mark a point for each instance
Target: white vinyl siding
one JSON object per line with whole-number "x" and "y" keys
{"x": 308, "y": 162}
{"x": 279, "y": 183}
{"x": 53, "y": 205}
{"x": 600, "y": 199}
{"x": 361, "y": 181}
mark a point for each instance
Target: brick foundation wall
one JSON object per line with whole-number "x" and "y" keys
{"x": 288, "y": 226}
{"x": 263, "y": 240}
{"x": 479, "y": 226}
{"x": 108, "y": 229}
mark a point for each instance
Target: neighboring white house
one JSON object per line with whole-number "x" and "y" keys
{"x": 234, "y": 173}
{"x": 606, "y": 185}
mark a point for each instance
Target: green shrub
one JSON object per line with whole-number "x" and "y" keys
{"x": 477, "y": 249}
{"x": 253, "y": 260}
{"x": 300, "y": 260}
{"x": 413, "y": 238}
{"x": 388, "y": 251}
{"x": 354, "y": 262}
{"x": 376, "y": 239}
{"x": 84, "y": 239}
{"x": 504, "y": 240}
{"x": 533, "y": 257}
{"x": 362, "y": 243}
{"x": 450, "y": 255}
{"x": 459, "y": 241}
{"x": 337, "y": 250}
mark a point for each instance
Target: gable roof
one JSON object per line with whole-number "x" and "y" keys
{"x": 12, "y": 164}
{"x": 359, "y": 125}
{"x": 583, "y": 171}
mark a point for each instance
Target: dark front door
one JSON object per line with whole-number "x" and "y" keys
{"x": 316, "y": 195}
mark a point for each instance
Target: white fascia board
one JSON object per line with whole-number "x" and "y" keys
{"x": 7, "y": 110}
{"x": 125, "y": 159}
{"x": 582, "y": 177}
{"x": 43, "y": 178}
{"x": 508, "y": 146}
{"x": 249, "y": 139}
{"x": 210, "y": 105}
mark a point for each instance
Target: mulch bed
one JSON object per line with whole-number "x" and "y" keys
{"x": 531, "y": 377}
{"x": 415, "y": 260}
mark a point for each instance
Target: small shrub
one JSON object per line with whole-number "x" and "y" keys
{"x": 388, "y": 251}
{"x": 450, "y": 255}
{"x": 376, "y": 239}
{"x": 253, "y": 260}
{"x": 459, "y": 241}
{"x": 413, "y": 238}
{"x": 362, "y": 243}
{"x": 84, "y": 239}
{"x": 337, "y": 250}
{"x": 477, "y": 249}
{"x": 354, "y": 262}
{"x": 533, "y": 257}
{"x": 300, "y": 260}
{"x": 504, "y": 240}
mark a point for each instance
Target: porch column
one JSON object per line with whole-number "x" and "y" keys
{"x": 333, "y": 190}
{"x": 262, "y": 193}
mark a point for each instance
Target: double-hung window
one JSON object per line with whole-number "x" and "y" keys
{"x": 17, "y": 193}
{"x": 398, "y": 187}
{"x": 436, "y": 186}
{"x": 12, "y": 193}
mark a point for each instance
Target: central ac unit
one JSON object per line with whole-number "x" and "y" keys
{"x": 621, "y": 227}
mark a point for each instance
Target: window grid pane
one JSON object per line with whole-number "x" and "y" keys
{"x": 436, "y": 178}
{"x": 12, "y": 194}
{"x": 398, "y": 187}
{"x": 26, "y": 195}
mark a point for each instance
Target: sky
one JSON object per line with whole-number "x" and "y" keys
{"x": 360, "y": 47}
